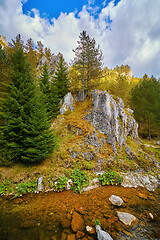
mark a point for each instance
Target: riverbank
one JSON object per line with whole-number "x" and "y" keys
{"x": 41, "y": 216}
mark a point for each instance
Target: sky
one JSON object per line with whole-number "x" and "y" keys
{"x": 128, "y": 31}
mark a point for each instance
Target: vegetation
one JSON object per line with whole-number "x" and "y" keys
{"x": 80, "y": 180}
{"x": 145, "y": 101}
{"x": 32, "y": 83}
{"x": 25, "y": 133}
{"x": 88, "y": 61}
{"x": 110, "y": 178}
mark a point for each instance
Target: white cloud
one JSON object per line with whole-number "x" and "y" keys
{"x": 133, "y": 38}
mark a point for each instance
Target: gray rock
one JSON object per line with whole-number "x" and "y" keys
{"x": 69, "y": 184}
{"x": 40, "y": 186}
{"x": 115, "y": 200}
{"x": 102, "y": 235}
{"x": 140, "y": 180}
{"x": 67, "y": 103}
{"x": 108, "y": 117}
{"x": 126, "y": 218}
{"x": 128, "y": 150}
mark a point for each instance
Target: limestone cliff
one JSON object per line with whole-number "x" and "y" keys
{"x": 109, "y": 117}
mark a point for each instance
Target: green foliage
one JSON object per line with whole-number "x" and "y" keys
{"x": 110, "y": 178}
{"x": 80, "y": 180}
{"x": 87, "y": 61}
{"x": 61, "y": 183}
{"x": 61, "y": 78}
{"x": 45, "y": 87}
{"x": 6, "y": 186}
{"x": 25, "y": 133}
{"x": 145, "y": 101}
{"x": 97, "y": 222}
{"x": 26, "y": 187}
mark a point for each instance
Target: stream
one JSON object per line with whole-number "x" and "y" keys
{"x": 39, "y": 216}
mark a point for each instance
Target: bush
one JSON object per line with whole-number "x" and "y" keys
{"x": 110, "y": 178}
{"x": 80, "y": 180}
{"x": 61, "y": 183}
{"x": 26, "y": 187}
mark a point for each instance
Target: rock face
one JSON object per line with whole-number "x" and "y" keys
{"x": 102, "y": 235}
{"x": 140, "y": 180}
{"x": 67, "y": 103}
{"x": 115, "y": 200}
{"x": 126, "y": 218}
{"x": 109, "y": 117}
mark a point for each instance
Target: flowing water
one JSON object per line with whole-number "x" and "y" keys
{"x": 38, "y": 216}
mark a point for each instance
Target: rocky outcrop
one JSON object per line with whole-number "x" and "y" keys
{"x": 67, "y": 103}
{"x": 140, "y": 180}
{"x": 109, "y": 117}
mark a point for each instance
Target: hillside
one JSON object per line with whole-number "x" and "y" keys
{"x": 96, "y": 136}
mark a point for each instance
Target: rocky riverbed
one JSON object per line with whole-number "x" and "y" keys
{"x": 67, "y": 215}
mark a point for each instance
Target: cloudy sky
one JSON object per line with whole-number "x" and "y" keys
{"x": 128, "y": 31}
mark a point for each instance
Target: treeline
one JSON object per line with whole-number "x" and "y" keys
{"x": 33, "y": 81}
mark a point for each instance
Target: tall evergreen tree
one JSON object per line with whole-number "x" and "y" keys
{"x": 25, "y": 134}
{"x": 45, "y": 87}
{"x": 61, "y": 79}
{"x": 88, "y": 60}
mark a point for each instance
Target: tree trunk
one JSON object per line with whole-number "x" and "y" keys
{"x": 83, "y": 85}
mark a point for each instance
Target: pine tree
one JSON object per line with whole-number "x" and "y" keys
{"x": 45, "y": 87}
{"x": 88, "y": 61}
{"x": 61, "y": 79}
{"x": 25, "y": 132}
{"x": 32, "y": 55}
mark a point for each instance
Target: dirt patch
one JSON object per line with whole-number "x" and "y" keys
{"x": 42, "y": 213}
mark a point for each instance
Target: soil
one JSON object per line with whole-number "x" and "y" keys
{"x": 39, "y": 216}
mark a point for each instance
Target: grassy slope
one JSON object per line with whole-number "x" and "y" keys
{"x": 71, "y": 130}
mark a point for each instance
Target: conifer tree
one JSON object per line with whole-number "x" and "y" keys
{"x": 45, "y": 88}
{"x": 61, "y": 79}
{"x": 88, "y": 61}
{"x": 25, "y": 134}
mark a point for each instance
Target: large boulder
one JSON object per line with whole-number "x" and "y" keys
{"x": 109, "y": 117}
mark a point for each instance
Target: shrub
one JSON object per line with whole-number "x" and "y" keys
{"x": 61, "y": 183}
{"x": 110, "y": 178}
{"x": 80, "y": 180}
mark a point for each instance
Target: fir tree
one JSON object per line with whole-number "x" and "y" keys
{"x": 61, "y": 79}
{"x": 45, "y": 87}
{"x": 25, "y": 132}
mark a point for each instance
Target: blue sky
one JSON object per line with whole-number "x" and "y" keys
{"x": 128, "y": 31}
{"x": 53, "y": 8}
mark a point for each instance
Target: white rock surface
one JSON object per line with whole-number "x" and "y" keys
{"x": 102, "y": 235}
{"x": 139, "y": 180}
{"x": 115, "y": 200}
{"x": 126, "y": 218}
{"x": 67, "y": 103}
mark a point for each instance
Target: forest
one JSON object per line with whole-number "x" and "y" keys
{"x": 33, "y": 81}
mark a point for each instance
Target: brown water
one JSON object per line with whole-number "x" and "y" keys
{"x": 38, "y": 216}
